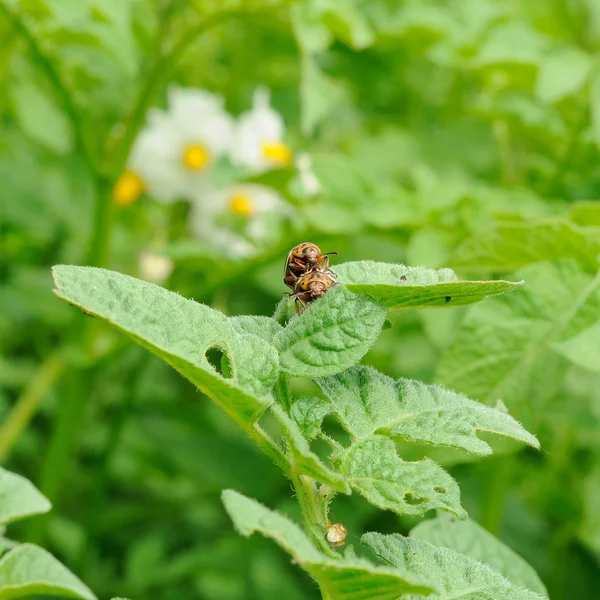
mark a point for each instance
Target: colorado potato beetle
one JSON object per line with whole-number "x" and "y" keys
{"x": 301, "y": 259}
{"x": 312, "y": 286}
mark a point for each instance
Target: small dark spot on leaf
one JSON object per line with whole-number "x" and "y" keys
{"x": 440, "y": 489}
{"x": 448, "y": 298}
{"x": 412, "y": 499}
{"x": 403, "y": 277}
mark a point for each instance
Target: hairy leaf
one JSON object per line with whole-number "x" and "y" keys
{"x": 264, "y": 327}
{"x": 19, "y": 498}
{"x": 367, "y": 402}
{"x": 399, "y": 287}
{"x": 510, "y": 246}
{"x": 332, "y": 334}
{"x": 309, "y": 412}
{"x": 178, "y": 330}
{"x": 375, "y": 470}
{"x": 28, "y": 570}
{"x": 454, "y": 574}
{"x": 347, "y": 579}
{"x": 303, "y": 459}
{"x": 472, "y": 540}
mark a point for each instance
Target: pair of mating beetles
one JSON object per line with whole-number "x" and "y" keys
{"x": 307, "y": 273}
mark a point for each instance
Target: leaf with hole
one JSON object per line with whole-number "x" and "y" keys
{"x": 367, "y": 402}
{"x": 454, "y": 574}
{"x": 343, "y": 579}
{"x": 374, "y": 469}
{"x": 332, "y": 334}
{"x": 179, "y": 331}
{"x": 399, "y": 287}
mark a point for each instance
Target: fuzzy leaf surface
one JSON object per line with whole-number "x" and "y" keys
{"x": 421, "y": 288}
{"x": 28, "y": 570}
{"x": 308, "y": 413}
{"x": 332, "y": 334}
{"x": 504, "y": 349}
{"x": 264, "y": 327}
{"x": 367, "y": 402}
{"x": 345, "y": 579}
{"x": 179, "y": 331}
{"x": 19, "y": 498}
{"x": 303, "y": 459}
{"x": 374, "y": 469}
{"x": 457, "y": 576}
{"x": 472, "y": 540}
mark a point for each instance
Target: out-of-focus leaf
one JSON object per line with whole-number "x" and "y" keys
{"x": 374, "y": 469}
{"x": 180, "y": 331}
{"x": 344, "y": 579}
{"x": 582, "y": 349}
{"x": 19, "y": 498}
{"x": 562, "y": 73}
{"x": 368, "y": 402}
{"x": 472, "y": 540}
{"x": 29, "y": 570}
{"x": 510, "y": 246}
{"x": 456, "y": 575}
{"x": 595, "y": 107}
{"x": 399, "y": 287}
{"x": 504, "y": 349}
{"x": 332, "y": 333}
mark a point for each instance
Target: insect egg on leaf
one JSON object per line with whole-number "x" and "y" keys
{"x": 336, "y": 534}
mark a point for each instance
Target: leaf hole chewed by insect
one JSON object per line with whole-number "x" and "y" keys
{"x": 448, "y": 298}
{"x": 412, "y": 499}
{"x": 439, "y": 489}
{"x": 403, "y": 277}
{"x": 219, "y": 361}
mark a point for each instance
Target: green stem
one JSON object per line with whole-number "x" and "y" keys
{"x": 28, "y": 402}
{"x": 313, "y": 509}
{"x": 282, "y": 393}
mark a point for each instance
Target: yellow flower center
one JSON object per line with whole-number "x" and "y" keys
{"x": 128, "y": 189}
{"x": 241, "y": 204}
{"x": 195, "y": 157}
{"x": 277, "y": 153}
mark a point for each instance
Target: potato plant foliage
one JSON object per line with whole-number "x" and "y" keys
{"x": 325, "y": 343}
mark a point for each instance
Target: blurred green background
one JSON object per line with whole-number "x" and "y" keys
{"x": 459, "y": 134}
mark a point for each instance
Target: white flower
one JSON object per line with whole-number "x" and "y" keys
{"x": 239, "y": 219}
{"x": 308, "y": 179}
{"x": 172, "y": 153}
{"x": 154, "y": 267}
{"x": 257, "y": 142}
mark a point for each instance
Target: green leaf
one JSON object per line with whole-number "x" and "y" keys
{"x": 308, "y": 413}
{"x": 19, "y": 498}
{"x": 368, "y": 402}
{"x": 456, "y": 575}
{"x": 595, "y": 107}
{"x": 344, "y": 579}
{"x": 347, "y": 23}
{"x": 179, "y": 331}
{"x": 374, "y": 469}
{"x": 264, "y": 327}
{"x": 399, "y": 287}
{"x": 319, "y": 93}
{"x": 562, "y": 73}
{"x": 39, "y": 116}
{"x": 510, "y": 246}
{"x": 29, "y": 570}
{"x": 582, "y": 349}
{"x": 472, "y": 540}
{"x": 302, "y": 459}
{"x": 504, "y": 349}
{"x": 311, "y": 34}
{"x": 332, "y": 334}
